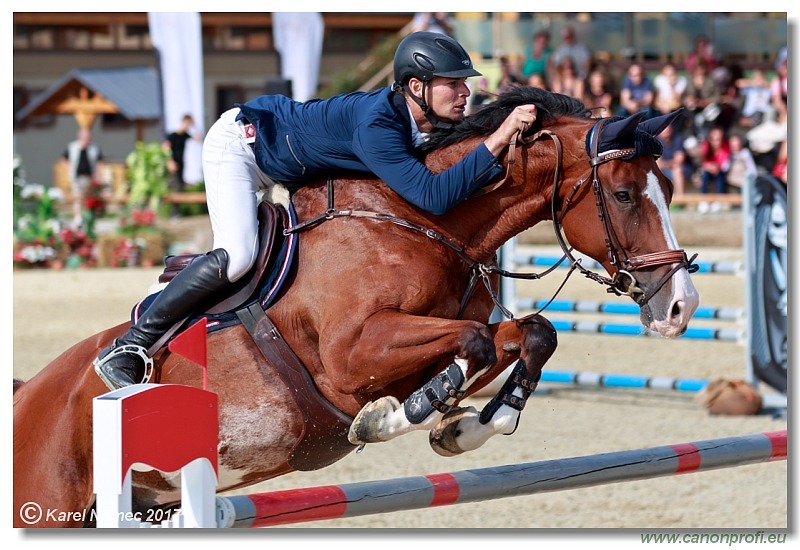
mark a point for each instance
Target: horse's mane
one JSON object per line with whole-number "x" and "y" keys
{"x": 489, "y": 117}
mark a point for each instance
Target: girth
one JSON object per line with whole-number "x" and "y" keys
{"x": 324, "y": 437}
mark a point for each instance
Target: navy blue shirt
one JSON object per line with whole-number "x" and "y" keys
{"x": 362, "y": 131}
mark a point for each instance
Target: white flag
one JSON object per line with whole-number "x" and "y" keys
{"x": 178, "y": 39}
{"x": 298, "y": 40}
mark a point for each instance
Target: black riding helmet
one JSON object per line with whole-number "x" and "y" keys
{"x": 425, "y": 55}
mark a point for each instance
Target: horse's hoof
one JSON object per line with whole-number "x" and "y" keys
{"x": 442, "y": 438}
{"x": 368, "y": 423}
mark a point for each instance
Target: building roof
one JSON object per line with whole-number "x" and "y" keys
{"x": 133, "y": 92}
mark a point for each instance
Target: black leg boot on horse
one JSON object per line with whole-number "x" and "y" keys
{"x": 128, "y": 360}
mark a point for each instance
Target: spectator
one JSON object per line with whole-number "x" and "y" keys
{"x": 537, "y": 56}
{"x": 599, "y": 93}
{"x": 742, "y": 170}
{"x": 482, "y": 96}
{"x": 432, "y": 21}
{"x": 757, "y": 99}
{"x": 702, "y": 97}
{"x": 779, "y": 87}
{"x": 780, "y": 170}
{"x": 670, "y": 88}
{"x": 175, "y": 145}
{"x": 636, "y": 93}
{"x": 508, "y": 76}
{"x": 715, "y": 162}
{"x": 566, "y": 80}
{"x": 730, "y": 98}
{"x": 703, "y": 53}
{"x": 571, "y": 47}
{"x": 537, "y": 81}
{"x": 674, "y": 162}
{"x": 84, "y": 162}
{"x": 765, "y": 141}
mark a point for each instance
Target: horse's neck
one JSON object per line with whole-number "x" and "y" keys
{"x": 483, "y": 223}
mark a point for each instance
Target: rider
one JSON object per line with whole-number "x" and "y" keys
{"x": 275, "y": 139}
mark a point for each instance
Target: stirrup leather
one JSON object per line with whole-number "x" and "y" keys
{"x": 129, "y": 349}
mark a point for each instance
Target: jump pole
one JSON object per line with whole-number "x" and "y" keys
{"x": 428, "y": 491}
{"x": 621, "y": 308}
{"x": 719, "y": 267}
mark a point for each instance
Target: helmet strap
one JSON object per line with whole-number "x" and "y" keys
{"x": 426, "y": 109}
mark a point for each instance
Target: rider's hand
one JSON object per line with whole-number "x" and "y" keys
{"x": 520, "y": 119}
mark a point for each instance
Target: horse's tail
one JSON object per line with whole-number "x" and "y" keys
{"x": 18, "y": 384}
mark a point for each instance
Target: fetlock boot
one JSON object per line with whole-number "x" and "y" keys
{"x": 128, "y": 360}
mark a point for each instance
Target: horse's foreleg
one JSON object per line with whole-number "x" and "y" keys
{"x": 464, "y": 429}
{"x": 400, "y": 346}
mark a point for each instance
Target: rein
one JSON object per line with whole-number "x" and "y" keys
{"x": 478, "y": 271}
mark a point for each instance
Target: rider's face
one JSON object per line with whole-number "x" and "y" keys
{"x": 448, "y": 97}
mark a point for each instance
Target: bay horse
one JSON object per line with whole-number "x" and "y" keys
{"x": 387, "y": 306}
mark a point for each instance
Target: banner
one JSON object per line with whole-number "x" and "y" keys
{"x": 178, "y": 39}
{"x": 298, "y": 40}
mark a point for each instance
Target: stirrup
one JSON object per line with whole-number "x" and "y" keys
{"x": 130, "y": 349}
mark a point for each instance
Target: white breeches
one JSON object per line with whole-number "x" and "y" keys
{"x": 232, "y": 179}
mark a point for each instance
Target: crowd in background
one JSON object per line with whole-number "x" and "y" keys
{"x": 734, "y": 123}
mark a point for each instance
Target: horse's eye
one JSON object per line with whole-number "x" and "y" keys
{"x": 623, "y": 196}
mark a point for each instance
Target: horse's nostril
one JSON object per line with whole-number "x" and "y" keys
{"x": 676, "y": 309}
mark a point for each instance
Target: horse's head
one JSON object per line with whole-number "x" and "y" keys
{"x": 601, "y": 185}
{"x": 614, "y": 207}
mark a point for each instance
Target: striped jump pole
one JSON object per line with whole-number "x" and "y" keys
{"x": 634, "y": 382}
{"x": 625, "y": 329}
{"x": 622, "y": 308}
{"x": 411, "y": 493}
{"x": 723, "y": 266}
{"x": 628, "y": 381}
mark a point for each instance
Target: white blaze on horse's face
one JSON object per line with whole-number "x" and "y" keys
{"x": 684, "y": 299}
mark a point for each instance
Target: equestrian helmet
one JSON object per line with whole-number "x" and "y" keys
{"x": 424, "y": 55}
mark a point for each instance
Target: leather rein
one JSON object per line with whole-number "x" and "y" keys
{"x": 623, "y": 264}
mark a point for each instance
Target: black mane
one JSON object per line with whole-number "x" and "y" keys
{"x": 489, "y": 117}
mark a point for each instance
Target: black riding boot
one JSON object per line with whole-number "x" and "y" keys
{"x": 127, "y": 360}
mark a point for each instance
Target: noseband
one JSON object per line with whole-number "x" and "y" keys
{"x": 622, "y": 282}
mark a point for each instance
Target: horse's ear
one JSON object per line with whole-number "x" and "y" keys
{"x": 617, "y": 134}
{"x": 656, "y": 125}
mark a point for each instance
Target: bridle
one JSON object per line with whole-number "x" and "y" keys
{"x": 622, "y": 283}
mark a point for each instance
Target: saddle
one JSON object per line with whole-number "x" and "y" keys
{"x": 324, "y": 437}
{"x": 272, "y": 220}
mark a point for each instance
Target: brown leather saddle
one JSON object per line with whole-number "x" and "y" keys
{"x": 272, "y": 220}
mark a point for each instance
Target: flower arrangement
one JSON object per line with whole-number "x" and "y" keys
{"x": 40, "y": 237}
{"x": 78, "y": 248}
{"x": 137, "y": 241}
{"x": 94, "y": 199}
{"x": 36, "y": 224}
{"x": 138, "y": 220}
{"x": 127, "y": 253}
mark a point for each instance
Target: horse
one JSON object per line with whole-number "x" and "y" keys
{"x": 385, "y": 317}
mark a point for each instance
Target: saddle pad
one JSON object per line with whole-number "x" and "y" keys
{"x": 267, "y": 293}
